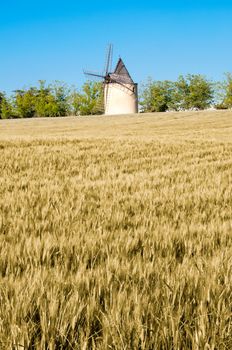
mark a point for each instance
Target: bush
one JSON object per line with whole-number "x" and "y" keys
{"x": 89, "y": 100}
{"x": 226, "y": 91}
{"x": 157, "y": 96}
{"x": 50, "y": 101}
{"x": 190, "y": 92}
{"x": 6, "y": 109}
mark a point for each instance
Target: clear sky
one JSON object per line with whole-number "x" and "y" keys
{"x": 55, "y": 40}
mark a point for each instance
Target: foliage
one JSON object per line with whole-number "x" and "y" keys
{"x": 24, "y": 103}
{"x": 52, "y": 101}
{"x": 116, "y": 242}
{"x": 180, "y": 97}
{"x": 190, "y": 92}
{"x": 89, "y": 100}
{"x": 199, "y": 92}
{"x": 61, "y": 93}
{"x": 45, "y": 104}
{"x": 44, "y": 101}
{"x": 156, "y": 96}
{"x": 225, "y": 93}
{"x": 6, "y": 110}
{"x": 1, "y": 100}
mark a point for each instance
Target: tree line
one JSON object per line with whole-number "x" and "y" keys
{"x": 190, "y": 92}
{"x": 193, "y": 91}
{"x": 52, "y": 100}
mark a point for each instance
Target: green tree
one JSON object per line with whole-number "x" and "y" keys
{"x": 53, "y": 100}
{"x": 45, "y": 104}
{"x": 1, "y": 97}
{"x": 61, "y": 93}
{"x": 89, "y": 100}
{"x": 225, "y": 93}
{"x": 193, "y": 92}
{"x": 6, "y": 109}
{"x": 24, "y": 103}
{"x": 157, "y": 96}
{"x": 44, "y": 101}
{"x": 1, "y": 101}
{"x": 180, "y": 97}
{"x": 190, "y": 92}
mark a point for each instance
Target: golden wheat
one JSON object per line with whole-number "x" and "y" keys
{"x": 116, "y": 233}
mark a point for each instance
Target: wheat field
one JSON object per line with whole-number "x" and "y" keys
{"x": 116, "y": 232}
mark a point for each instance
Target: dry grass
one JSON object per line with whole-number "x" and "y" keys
{"x": 116, "y": 233}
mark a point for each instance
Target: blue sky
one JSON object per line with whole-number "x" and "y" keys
{"x": 55, "y": 40}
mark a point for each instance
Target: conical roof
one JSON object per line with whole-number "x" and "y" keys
{"x": 121, "y": 73}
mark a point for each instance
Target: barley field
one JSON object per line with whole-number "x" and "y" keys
{"x": 116, "y": 232}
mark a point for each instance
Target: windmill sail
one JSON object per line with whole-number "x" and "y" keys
{"x": 108, "y": 60}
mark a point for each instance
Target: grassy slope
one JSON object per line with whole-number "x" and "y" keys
{"x": 115, "y": 233}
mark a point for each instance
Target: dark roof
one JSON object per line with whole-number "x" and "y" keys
{"x": 121, "y": 73}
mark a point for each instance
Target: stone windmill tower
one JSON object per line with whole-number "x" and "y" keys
{"x": 120, "y": 91}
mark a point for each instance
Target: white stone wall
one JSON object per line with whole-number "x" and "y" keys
{"x": 120, "y": 99}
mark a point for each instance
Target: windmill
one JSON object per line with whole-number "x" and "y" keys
{"x": 120, "y": 91}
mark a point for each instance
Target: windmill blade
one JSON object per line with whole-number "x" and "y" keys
{"x": 108, "y": 60}
{"x": 92, "y": 74}
{"x": 111, "y": 58}
{"x": 125, "y": 86}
